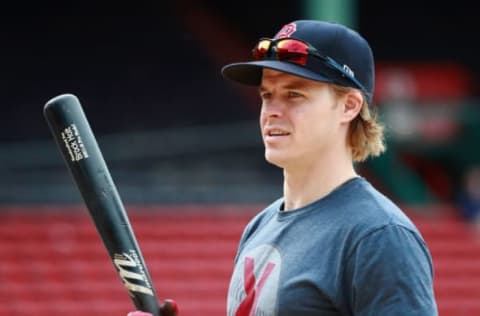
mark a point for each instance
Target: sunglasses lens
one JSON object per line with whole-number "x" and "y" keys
{"x": 261, "y": 49}
{"x": 292, "y": 51}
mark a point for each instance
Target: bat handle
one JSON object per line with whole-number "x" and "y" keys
{"x": 168, "y": 308}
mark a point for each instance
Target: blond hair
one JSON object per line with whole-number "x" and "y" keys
{"x": 366, "y": 132}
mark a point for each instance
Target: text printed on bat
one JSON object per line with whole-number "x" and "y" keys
{"x": 73, "y": 143}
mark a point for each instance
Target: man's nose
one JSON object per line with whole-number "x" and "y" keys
{"x": 273, "y": 108}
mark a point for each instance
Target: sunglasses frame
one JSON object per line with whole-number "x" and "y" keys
{"x": 311, "y": 51}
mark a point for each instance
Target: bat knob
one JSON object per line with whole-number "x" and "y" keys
{"x": 169, "y": 308}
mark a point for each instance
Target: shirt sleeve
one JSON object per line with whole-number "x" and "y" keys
{"x": 390, "y": 273}
{"x": 250, "y": 229}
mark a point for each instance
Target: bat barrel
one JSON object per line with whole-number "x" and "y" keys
{"x": 76, "y": 141}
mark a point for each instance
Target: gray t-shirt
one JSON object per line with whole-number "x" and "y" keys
{"x": 352, "y": 252}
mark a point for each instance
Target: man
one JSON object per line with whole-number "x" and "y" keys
{"x": 332, "y": 245}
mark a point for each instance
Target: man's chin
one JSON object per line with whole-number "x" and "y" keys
{"x": 276, "y": 159}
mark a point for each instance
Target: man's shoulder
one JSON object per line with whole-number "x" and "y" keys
{"x": 368, "y": 207}
{"x": 266, "y": 213}
{"x": 261, "y": 218}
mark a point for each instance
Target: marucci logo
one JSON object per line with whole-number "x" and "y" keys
{"x": 126, "y": 264}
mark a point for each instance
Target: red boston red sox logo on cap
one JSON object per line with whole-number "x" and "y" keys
{"x": 287, "y": 30}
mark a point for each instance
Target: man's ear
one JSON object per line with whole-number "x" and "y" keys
{"x": 351, "y": 104}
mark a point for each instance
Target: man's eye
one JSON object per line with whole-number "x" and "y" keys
{"x": 265, "y": 95}
{"x": 294, "y": 94}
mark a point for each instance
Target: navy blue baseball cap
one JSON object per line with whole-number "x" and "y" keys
{"x": 346, "y": 57}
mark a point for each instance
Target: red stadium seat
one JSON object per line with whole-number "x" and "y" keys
{"x": 53, "y": 262}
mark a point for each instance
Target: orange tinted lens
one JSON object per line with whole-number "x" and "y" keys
{"x": 292, "y": 51}
{"x": 261, "y": 49}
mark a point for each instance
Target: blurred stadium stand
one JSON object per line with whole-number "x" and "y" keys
{"x": 222, "y": 163}
{"x": 53, "y": 262}
{"x": 184, "y": 149}
{"x": 432, "y": 124}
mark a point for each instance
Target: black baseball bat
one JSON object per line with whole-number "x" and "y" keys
{"x": 76, "y": 141}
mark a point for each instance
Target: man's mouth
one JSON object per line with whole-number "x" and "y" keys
{"x": 277, "y": 132}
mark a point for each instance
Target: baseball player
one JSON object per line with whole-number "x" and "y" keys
{"x": 333, "y": 244}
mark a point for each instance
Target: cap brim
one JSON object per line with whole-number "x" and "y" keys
{"x": 250, "y": 73}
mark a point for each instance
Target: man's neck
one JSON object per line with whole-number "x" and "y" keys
{"x": 308, "y": 183}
